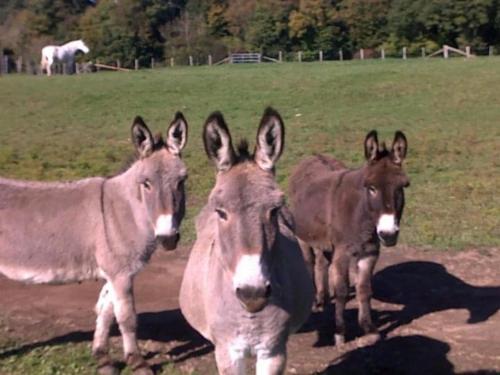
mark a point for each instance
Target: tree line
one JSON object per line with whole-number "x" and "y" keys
{"x": 126, "y": 30}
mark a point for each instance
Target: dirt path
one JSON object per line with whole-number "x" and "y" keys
{"x": 439, "y": 313}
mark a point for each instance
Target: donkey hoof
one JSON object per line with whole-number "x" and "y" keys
{"x": 139, "y": 365}
{"x": 318, "y": 307}
{"x": 108, "y": 370}
{"x": 339, "y": 339}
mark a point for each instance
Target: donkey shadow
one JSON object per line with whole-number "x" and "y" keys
{"x": 403, "y": 355}
{"x": 398, "y": 355}
{"x": 164, "y": 326}
{"x": 426, "y": 287}
{"x": 422, "y": 288}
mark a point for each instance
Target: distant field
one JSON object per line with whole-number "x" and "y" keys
{"x": 69, "y": 127}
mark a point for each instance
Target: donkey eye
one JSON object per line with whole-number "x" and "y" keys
{"x": 222, "y": 214}
{"x": 372, "y": 190}
{"x": 147, "y": 184}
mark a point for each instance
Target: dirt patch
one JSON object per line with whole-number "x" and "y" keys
{"x": 438, "y": 312}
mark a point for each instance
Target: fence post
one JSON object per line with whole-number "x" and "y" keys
{"x": 382, "y": 54}
{"x": 362, "y": 54}
{"x": 404, "y": 53}
{"x": 467, "y": 51}
{"x": 423, "y": 51}
{"x": 445, "y": 51}
{"x": 210, "y": 60}
{"x": 341, "y": 55}
{"x": 118, "y": 64}
{"x": 320, "y": 55}
{"x": 490, "y": 51}
{"x": 172, "y": 63}
{"x": 136, "y": 64}
{"x": 152, "y": 62}
{"x": 97, "y": 63}
{"x": 299, "y": 55}
{"x": 280, "y": 56}
{"x": 190, "y": 60}
{"x": 19, "y": 64}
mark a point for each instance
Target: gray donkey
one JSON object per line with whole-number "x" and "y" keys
{"x": 59, "y": 232}
{"x": 246, "y": 287}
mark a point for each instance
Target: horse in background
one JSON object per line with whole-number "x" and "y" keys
{"x": 65, "y": 54}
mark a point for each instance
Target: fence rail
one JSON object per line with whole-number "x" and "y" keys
{"x": 12, "y": 64}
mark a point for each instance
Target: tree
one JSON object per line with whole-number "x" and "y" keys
{"x": 268, "y": 26}
{"x": 127, "y": 30}
{"x": 366, "y": 21}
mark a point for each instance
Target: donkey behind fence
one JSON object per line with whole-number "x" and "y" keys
{"x": 99, "y": 228}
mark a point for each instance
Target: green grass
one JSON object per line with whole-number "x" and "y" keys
{"x": 78, "y": 126}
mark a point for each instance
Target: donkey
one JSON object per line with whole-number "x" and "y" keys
{"x": 99, "y": 227}
{"x": 246, "y": 287}
{"x": 349, "y": 212}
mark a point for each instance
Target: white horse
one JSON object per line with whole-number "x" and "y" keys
{"x": 64, "y": 53}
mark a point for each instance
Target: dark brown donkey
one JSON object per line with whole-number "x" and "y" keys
{"x": 349, "y": 212}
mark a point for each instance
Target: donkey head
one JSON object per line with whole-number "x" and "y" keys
{"x": 385, "y": 181}
{"x": 246, "y": 200}
{"x": 160, "y": 177}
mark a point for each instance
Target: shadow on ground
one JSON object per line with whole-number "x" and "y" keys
{"x": 164, "y": 326}
{"x": 427, "y": 287}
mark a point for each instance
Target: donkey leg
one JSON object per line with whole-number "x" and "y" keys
{"x": 320, "y": 278}
{"x": 340, "y": 275}
{"x": 364, "y": 293}
{"x": 124, "y": 310}
{"x": 229, "y": 361}
{"x": 271, "y": 364}
{"x": 100, "y": 345}
{"x": 308, "y": 255}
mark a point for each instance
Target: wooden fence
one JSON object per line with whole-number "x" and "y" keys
{"x": 10, "y": 64}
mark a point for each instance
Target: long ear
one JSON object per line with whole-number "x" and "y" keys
{"x": 177, "y": 134}
{"x": 142, "y": 137}
{"x": 371, "y": 145}
{"x": 399, "y": 147}
{"x": 217, "y": 141}
{"x": 270, "y": 139}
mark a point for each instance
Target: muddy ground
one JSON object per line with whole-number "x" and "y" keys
{"x": 438, "y": 312}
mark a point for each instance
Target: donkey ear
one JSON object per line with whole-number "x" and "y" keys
{"x": 177, "y": 134}
{"x": 142, "y": 137}
{"x": 270, "y": 140}
{"x": 399, "y": 147}
{"x": 371, "y": 145}
{"x": 217, "y": 141}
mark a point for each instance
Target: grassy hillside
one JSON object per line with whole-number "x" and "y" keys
{"x": 68, "y": 127}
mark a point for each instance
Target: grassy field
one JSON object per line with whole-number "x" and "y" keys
{"x": 71, "y": 127}
{"x": 78, "y": 126}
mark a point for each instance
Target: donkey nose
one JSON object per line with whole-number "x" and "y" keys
{"x": 388, "y": 238}
{"x": 253, "y": 298}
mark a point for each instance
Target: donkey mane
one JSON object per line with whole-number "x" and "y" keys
{"x": 242, "y": 152}
{"x": 382, "y": 152}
